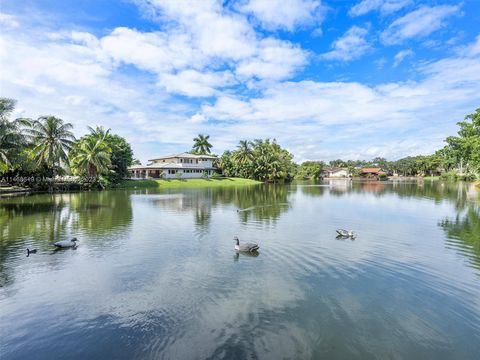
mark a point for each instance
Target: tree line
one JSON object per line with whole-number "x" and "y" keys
{"x": 265, "y": 160}
{"x": 46, "y": 147}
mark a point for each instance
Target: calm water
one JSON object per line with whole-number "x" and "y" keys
{"x": 156, "y": 276}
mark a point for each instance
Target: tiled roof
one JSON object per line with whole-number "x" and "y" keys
{"x": 372, "y": 170}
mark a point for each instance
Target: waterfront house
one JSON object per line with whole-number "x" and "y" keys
{"x": 371, "y": 173}
{"x": 179, "y": 166}
{"x": 335, "y": 172}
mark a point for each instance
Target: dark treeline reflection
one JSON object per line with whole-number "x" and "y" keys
{"x": 463, "y": 233}
{"x": 261, "y": 203}
{"x": 38, "y": 221}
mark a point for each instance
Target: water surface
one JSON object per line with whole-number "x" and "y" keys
{"x": 155, "y": 275}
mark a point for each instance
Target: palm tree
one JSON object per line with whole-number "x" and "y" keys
{"x": 92, "y": 157}
{"x": 201, "y": 144}
{"x": 99, "y": 132}
{"x": 53, "y": 138}
{"x": 12, "y": 133}
{"x": 244, "y": 153}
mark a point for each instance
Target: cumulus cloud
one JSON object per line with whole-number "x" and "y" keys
{"x": 287, "y": 15}
{"x": 384, "y": 6}
{"x": 418, "y": 23}
{"x": 401, "y": 55}
{"x": 274, "y": 59}
{"x": 310, "y": 113}
{"x": 352, "y": 45}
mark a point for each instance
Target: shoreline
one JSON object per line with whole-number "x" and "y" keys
{"x": 185, "y": 183}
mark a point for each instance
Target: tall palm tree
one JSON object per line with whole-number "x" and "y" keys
{"x": 92, "y": 156}
{"x": 201, "y": 144}
{"x": 53, "y": 139}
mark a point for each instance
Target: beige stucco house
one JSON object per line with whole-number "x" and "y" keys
{"x": 330, "y": 172}
{"x": 184, "y": 166}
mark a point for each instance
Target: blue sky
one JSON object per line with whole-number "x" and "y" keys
{"x": 327, "y": 79}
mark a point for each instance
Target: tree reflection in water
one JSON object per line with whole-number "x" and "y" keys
{"x": 37, "y": 221}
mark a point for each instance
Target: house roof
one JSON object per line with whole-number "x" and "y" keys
{"x": 185, "y": 155}
{"x": 372, "y": 170}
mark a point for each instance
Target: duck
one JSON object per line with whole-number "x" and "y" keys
{"x": 33, "y": 251}
{"x": 247, "y": 247}
{"x": 66, "y": 243}
{"x": 346, "y": 233}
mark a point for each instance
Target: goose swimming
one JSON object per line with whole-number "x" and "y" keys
{"x": 66, "y": 243}
{"x": 346, "y": 233}
{"x": 247, "y": 247}
{"x": 33, "y": 251}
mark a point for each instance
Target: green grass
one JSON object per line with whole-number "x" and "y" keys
{"x": 431, "y": 178}
{"x": 181, "y": 183}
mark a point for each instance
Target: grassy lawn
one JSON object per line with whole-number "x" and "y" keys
{"x": 180, "y": 183}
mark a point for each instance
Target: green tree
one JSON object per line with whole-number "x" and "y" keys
{"x": 52, "y": 139}
{"x": 464, "y": 150}
{"x": 201, "y": 145}
{"x": 119, "y": 152}
{"x": 91, "y": 156}
{"x": 310, "y": 170}
{"x": 13, "y": 139}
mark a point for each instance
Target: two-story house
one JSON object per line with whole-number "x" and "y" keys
{"x": 184, "y": 166}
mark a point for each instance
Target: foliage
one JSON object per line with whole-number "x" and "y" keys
{"x": 262, "y": 160}
{"x": 90, "y": 157}
{"x": 201, "y": 145}
{"x": 13, "y": 139}
{"x": 52, "y": 138}
{"x": 310, "y": 170}
{"x": 463, "y": 151}
{"x": 102, "y": 156}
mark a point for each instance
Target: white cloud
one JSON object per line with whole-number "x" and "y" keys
{"x": 9, "y": 21}
{"x": 195, "y": 83}
{"x": 279, "y": 14}
{"x": 471, "y": 49}
{"x": 418, "y": 23}
{"x": 350, "y": 46}
{"x": 351, "y": 119}
{"x": 274, "y": 59}
{"x": 384, "y": 6}
{"x": 401, "y": 55}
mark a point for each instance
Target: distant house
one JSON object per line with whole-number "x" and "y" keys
{"x": 184, "y": 166}
{"x": 332, "y": 172}
{"x": 372, "y": 173}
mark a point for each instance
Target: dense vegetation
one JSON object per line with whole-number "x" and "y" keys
{"x": 33, "y": 152}
{"x": 262, "y": 160}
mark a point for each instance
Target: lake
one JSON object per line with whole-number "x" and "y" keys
{"x": 155, "y": 275}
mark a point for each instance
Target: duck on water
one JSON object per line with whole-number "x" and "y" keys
{"x": 66, "y": 244}
{"x": 346, "y": 233}
{"x": 246, "y": 247}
